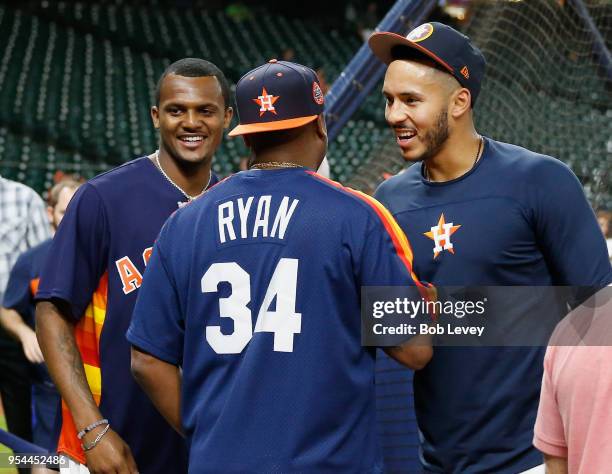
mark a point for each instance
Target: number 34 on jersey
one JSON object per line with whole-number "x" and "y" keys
{"x": 284, "y": 321}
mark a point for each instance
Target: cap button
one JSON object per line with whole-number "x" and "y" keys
{"x": 272, "y": 61}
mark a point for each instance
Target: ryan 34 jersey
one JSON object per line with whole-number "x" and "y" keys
{"x": 254, "y": 290}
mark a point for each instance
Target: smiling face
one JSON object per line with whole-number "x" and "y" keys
{"x": 417, "y": 107}
{"x": 191, "y": 116}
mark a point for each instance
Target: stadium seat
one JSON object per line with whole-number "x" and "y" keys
{"x": 79, "y": 77}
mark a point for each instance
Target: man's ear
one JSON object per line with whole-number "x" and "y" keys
{"x": 229, "y": 113}
{"x": 460, "y": 103}
{"x": 155, "y": 116}
{"x": 321, "y": 127}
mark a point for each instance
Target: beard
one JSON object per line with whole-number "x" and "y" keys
{"x": 435, "y": 138}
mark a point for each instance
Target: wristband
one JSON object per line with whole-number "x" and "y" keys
{"x": 87, "y": 429}
{"x": 87, "y": 447}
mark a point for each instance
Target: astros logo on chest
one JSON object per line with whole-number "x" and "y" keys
{"x": 441, "y": 235}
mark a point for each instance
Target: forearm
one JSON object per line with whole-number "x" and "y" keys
{"x": 415, "y": 354}
{"x": 162, "y": 383}
{"x": 13, "y": 323}
{"x": 58, "y": 344}
{"x": 555, "y": 465}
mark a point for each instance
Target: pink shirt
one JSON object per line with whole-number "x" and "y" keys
{"x": 575, "y": 414}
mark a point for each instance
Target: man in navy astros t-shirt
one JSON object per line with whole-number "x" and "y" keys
{"x": 477, "y": 212}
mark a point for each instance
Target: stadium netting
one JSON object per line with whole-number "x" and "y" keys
{"x": 547, "y": 87}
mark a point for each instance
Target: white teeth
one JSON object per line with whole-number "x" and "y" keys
{"x": 192, "y": 139}
{"x": 405, "y": 135}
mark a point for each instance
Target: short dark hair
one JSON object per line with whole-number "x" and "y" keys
{"x": 195, "y": 67}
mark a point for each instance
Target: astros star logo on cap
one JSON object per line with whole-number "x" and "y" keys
{"x": 289, "y": 91}
{"x": 266, "y": 102}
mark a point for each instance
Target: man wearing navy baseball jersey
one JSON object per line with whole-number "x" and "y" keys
{"x": 17, "y": 317}
{"x": 477, "y": 212}
{"x": 261, "y": 309}
{"x": 89, "y": 285}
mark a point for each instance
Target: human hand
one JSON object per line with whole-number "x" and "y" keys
{"x": 111, "y": 455}
{"x": 30, "y": 346}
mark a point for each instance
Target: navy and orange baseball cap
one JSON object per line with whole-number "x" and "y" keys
{"x": 452, "y": 50}
{"x": 278, "y": 95}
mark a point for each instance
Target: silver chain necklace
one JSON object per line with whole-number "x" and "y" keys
{"x": 275, "y": 164}
{"x": 190, "y": 198}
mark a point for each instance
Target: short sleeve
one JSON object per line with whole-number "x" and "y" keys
{"x": 17, "y": 295}
{"x": 567, "y": 230}
{"x": 78, "y": 254}
{"x": 549, "y": 434}
{"x": 38, "y": 229}
{"x": 157, "y": 325}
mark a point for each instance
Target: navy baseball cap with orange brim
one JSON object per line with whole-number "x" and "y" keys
{"x": 450, "y": 49}
{"x": 278, "y": 95}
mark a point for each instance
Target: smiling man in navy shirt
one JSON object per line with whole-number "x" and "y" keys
{"x": 477, "y": 212}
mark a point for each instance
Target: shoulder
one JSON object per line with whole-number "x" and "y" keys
{"x": 525, "y": 164}
{"x": 118, "y": 186}
{"x": 20, "y": 189}
{"x": 87, "y": 211}
{"x": 393, "y": 192}
{"x": 396, "y": 193}
{"x": 36, "y": 252}
{"x": 407, "y": 177}
{"x": 88, "y": 194}
{"x": 354, "y": 204}
{"x": 124, "y": 174}
{"x": 30, "y": 260}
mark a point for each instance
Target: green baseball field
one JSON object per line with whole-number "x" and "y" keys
{"x": 4, "y": 449}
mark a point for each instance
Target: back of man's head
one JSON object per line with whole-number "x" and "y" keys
{"x": 278, "y": 95}
{"x": 280, "y": 107}
{"x": 260, "y": 142}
